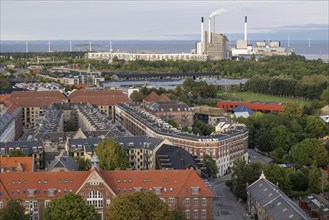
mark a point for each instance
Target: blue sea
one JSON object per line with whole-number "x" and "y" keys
{"x": 310, "y": 49}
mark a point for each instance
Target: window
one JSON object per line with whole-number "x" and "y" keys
{"x": 51, "y": 192}
{"x": 195, "y": 213}
{"x": 108, "y": 202}
{"x": 203, "y": 213}
{"x": 195, "y": 190}
{"x": 204, "y": 201}
{"x": 31, "y": 192}
{"x": 187, "y": 202}
{"x": 95, "y": 198}
{"x": 1, "y": 205}
{"x": 47, "y": 203}
{"x": 195, "y": 201}
{"x": 171, "y": 201}
{"x": 187, "y": 213}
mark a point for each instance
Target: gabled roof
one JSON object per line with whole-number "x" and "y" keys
{"x": 18, "y": 184}
{"x": 152, "y": 97}
{"x": 172, "y": 183}
{"x": 99, "y": 97}
{"x": 274, "y": 201}
{"x": 163, "y": 97}
{"x": 242, "y": 108}
{"x": 63, "y": 161}
{"x": 25, "y": 162}
{"x": 37, "y": 98}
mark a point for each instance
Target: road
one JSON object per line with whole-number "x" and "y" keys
{"x": 226, "y": 206}
{"x": 255, "y": 156}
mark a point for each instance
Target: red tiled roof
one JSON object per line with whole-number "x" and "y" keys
{"x": 26, "y": 162}
{"x": 37, "y": 98}
{"x": 48, "y": 94}
{"x": 178, "y": 183}
{"x": 99, "y": 97}
{"x": 163, "y": 97}
{"x": 18, "y": 183}
{"x": 152, "y": 97}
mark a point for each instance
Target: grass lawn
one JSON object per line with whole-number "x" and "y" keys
{"x": 250, "y": 96}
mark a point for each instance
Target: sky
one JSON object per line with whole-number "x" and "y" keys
{"x": 160, "y": 20}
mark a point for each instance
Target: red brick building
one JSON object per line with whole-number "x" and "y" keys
{"x": 181, "y": 189}
{"x": 254, "y": 105}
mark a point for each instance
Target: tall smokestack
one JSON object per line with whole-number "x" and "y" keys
{"x": 202, "y": 30}
{"x": 209, "y": 31}
{"x": 245, "y": 28}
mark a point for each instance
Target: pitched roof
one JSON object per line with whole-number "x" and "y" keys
{"x": 37, "y": 98}
{"x": 25, "y": 162}
{"x": 163, "y": 97}
{"x": 274, "y": 201}
{"x": 99, "y": 97}
{"x": 172, "y": 183}
{"x": 18, "y": 184}
{"x": 152, "y": 97}
{"x": 242, "y": 108}
{"x": 63, "y": 161}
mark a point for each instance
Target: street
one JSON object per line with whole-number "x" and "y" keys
{"x": 226, "y": 206}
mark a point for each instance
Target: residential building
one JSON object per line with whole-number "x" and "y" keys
{"x": 29, "y": 148}
{"x": 316, "y": 206}
{"x": 242, "y": 111}
{"x": 172, "y": 111}
{"x": 11, "y": 127}
{"x": 268, "y": 202}
{"x": 34, "y": 103}
{"x": 209, "y": 115}
{"x": 180, "y": 189}
{"x": 16, "y": 164}
{"x": 61, "y": 163}
{"x": 176, "y": 158}
{"x": 105, "y": 100}
{"x": 224, "y": 148}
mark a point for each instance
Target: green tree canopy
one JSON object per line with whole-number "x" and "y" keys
{"x": 16, "y": 153}
{"x": 314, "y": 179}
{"x": 14, "y": 210}
{"x": 281, "y": 137}
{"x": 276, "y": 174}
{"x": 70, "y": 206}
{"x": 299, "y": 181}
{"x": 310, "y": 151}
{"x": 211, "y": 166}
{"x": 84, "y": 164}
{"x": 138, "y": 206}
{"x": 111, "y": 155}
{"x": 316, "y": 127}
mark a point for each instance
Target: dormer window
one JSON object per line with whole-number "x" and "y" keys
{"x": 30, "y": 192}
{"x": 51, "y": 192}
{"x": 195, "y": 190}
{"x": 157, "y": 190}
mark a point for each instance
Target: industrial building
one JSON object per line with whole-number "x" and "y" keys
{"x": 215, "y": 45}
{"x": 243, "y": 48}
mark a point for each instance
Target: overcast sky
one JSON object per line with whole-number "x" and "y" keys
{"x": 159, "y": 20}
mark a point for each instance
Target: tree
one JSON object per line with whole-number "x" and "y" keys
{"x": 138, "y": 205}
{"x": 211, "y": 166}
{"x": 70, "y": 206}
{"x": 314, "y": 179}
{"x": 84, "y": 164}
{"x": 281, "y": 137}
{"x": 16, "y": 153}
{"x": 310, "y": 151}
{"x": 293, "y": 108}
{"x": 299, "y": 181}
{"x": 276, "y": 174}
{"x": 111, "y": 155}
{"x": 176, "y": 215}
{"x": 137, "y": 96}
{"x": 325, "y": 95}
{"x": 242, "y": 175}
{"x": 315, "y": 127}
{"x": 13, "y": 210}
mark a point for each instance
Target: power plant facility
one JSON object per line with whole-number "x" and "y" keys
{"x": 212, "y": 46}
{"x": 259, "y": 49}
